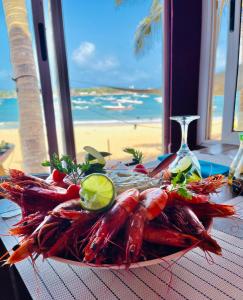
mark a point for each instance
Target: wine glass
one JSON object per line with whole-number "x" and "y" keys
{"x": 185, "y": 161}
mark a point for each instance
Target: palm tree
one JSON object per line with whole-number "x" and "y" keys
{"x": 143, "y": 36}
{"x": 147, "y": 26}
{"x": 25, "y": 75}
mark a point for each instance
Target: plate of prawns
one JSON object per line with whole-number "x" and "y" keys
{"x": 144, "y": 225}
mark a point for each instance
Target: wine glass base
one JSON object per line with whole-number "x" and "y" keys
{"x": 186, "y": 160}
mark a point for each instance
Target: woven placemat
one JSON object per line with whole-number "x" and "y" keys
{"x": 193, "y": 277}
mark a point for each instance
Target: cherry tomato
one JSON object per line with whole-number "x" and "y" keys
{"x": 140, "y": 169}
{"x": 57, "y": 176}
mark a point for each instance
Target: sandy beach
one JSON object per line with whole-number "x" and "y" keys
{"x": 111, "y": 137}
{"x": 216, "y": 128}
{"x": 146, "y": 137}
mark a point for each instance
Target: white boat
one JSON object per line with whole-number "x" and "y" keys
{"x": 109, "y": 98}
{"x": 143, "y": 96}
{"x": 95, "y": 103}
{"x": 158, "y": 99}
{"x": 79, "y": 101}
{"x": 118, "y": 107}
{"x": 81, "y": 107}
{"x": 130, "y": 101}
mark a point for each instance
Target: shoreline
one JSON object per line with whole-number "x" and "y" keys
{"x": 15, "y": 125}
{"x": 113, "y": 138}
{"x": 97, "y": 93}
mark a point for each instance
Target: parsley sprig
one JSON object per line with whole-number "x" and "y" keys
{"x": 137, "y": 155}
{"x": 178, "y": 183}
{"x": 76, "y": 171}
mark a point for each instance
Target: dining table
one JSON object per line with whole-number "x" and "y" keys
{"x": 194, "y": 275}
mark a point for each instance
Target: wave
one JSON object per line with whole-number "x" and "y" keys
{"x": 9, "y": 125}
{"x": 158, "y": 99}
{"x": 81, "y": 107}
{"x": 134, "y": 121}
{"x": 15, "y": 125}
{"x": 128, "y": 100}
{"x": 79, "y": 101}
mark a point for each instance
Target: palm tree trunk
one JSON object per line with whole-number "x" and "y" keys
{"x": 31, "y": 127}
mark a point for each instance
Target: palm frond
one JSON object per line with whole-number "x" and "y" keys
{"x": 221, "y": 5}
{"x": 147, "y": 26}
{"x": 119, "y": 2}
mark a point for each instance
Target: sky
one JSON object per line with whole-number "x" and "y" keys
{"x": 100, "y": 42}
{"x": 221, "y": 52}
{"x": 100, "y": 49}
{"x": 100, "y": 46}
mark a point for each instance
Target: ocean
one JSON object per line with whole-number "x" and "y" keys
{"x": 123, "y": 108}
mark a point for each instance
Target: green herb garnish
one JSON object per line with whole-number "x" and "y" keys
{"x": 179, "y": 184}
{"x": 183, "y": 191}
{"x": 180, "y": 178}
{"x": 137, "y": 155}
{"x": 66, "y": 165}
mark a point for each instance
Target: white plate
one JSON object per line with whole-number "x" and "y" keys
{"x": 140, "y": 264}
{"x": 120, "y": 267}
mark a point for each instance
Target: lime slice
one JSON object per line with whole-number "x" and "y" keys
{"x": 197, "y": 173}
{"x": 181, "y": 178}
{"x": 97, "y": 192}
{"x": 96, "y": 154}
{"x": 195, "y": 176}
{"x": 184, "y": 166}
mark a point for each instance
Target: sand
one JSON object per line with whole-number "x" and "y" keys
{"x": 216, "y": 128}
{"x": 104, "y": 137}
{"x": 146, "y": 137}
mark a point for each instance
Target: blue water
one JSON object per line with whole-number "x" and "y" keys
{"x": 92, "y": 108}
{"x": 218, "y": 106}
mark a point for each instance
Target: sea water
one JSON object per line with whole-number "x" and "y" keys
{"x": 93, "y": 109}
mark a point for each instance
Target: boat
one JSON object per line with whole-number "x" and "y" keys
{"x": 110, "y": 98}
{"x": 124, "y": 100}
{"x": 158, "y": 99}
{"x": 81, "y": 107}
{"x": 143, "y": 96}
{"x": 79, "y": 101}
{"x": 118, "y": 107}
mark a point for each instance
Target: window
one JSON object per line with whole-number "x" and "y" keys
{"x": 221, "y": 40}
{"x": 233, "y": 82}
{"x": 220, "y": 104}
{"x": 238, "y": 110}
{"x": 116, "y": 96}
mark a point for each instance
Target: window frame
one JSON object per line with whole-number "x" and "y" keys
{"x": 207, "y": 63}
{"x": 231, "y": 75}
{"x": 207, "y": 66}
{"x": 45, "y": 76}
{"x": 62, "y": 73}
{"x": 63, "y": 77}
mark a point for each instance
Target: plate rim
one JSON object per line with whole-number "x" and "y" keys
{"x": 139, "y": 264}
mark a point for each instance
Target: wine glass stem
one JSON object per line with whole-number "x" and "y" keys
{"x": 184, "y": 131}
